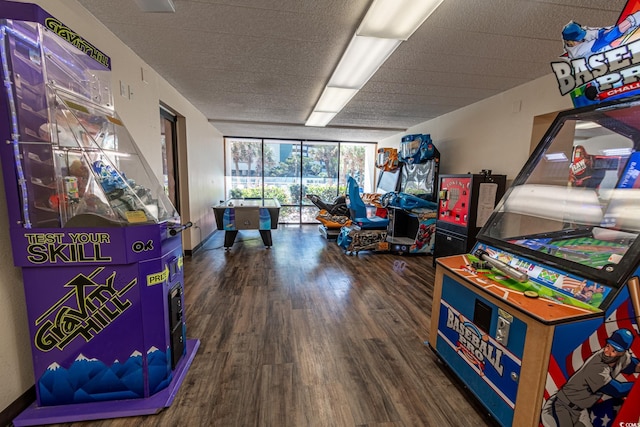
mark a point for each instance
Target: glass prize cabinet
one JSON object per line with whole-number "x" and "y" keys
{"x": 553, "y": 278}
{"x": 96, "y": 237}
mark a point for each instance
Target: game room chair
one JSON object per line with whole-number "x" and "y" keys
{"x": 358, "y": 209}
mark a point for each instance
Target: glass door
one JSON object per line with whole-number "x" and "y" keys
{"x": 283, "y": 176}
{"x": 319, "y": 176}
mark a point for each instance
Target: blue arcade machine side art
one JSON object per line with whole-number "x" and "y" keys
{"x": 541, "y": 319}
{"x": 96, "y": 237}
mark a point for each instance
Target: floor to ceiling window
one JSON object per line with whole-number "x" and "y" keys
{"x": 357, "y": 160}
{"x": 288, "y": 170}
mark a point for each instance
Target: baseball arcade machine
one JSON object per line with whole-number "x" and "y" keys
{"x": 96, "y": 237}
{"x": 540, "y": 320}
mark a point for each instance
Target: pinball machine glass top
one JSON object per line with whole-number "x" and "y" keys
{"x": 576, "y": 203}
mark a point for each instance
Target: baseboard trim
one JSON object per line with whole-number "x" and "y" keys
{"x": 191, "y": 252}
{"x": 18, "y": 405}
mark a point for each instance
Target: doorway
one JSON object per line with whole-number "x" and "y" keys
{"x": 170, "y": 172}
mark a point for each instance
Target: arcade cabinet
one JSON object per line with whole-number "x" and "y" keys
{"x": 420, "y": 166}
{"x": 368, "y": 231}
{"x": 412, "y": 209}
{"x": 338, "y": 214}
{"x": 540, "y": 319}
{"x": 464, "y": 204}
{"x": 97, "y": 239}
{"x": 332, "y": 216}
{"x": 388, "y": 181}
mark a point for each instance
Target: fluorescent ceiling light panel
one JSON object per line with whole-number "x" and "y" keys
{"x": 386, "y": 24}
{"x": 396, "y": 19}
{"x": 156, "y": 5}
{"x": 617, "y": 151}
{"x": 556, "y": 157}
{"x": 586, "y": 125}
{"x": 333, "y": 99}
{"x": 320, "y": 118}
{"x": 361, "y": 60}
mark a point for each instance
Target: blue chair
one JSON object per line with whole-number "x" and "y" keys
{"x": 359, "y": 210}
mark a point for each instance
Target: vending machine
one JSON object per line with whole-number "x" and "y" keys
{"x": 96, "y": 237}
{"x": 465, "y": 201}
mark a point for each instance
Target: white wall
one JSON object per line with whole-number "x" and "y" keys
{"x": 204, "y": 176}
{"x": 492, "y": 134}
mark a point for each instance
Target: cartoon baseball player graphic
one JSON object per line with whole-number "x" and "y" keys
{"x": 596, "y": 378}
{"x": 581, "y": 41}
{"x": 588, "y": 70}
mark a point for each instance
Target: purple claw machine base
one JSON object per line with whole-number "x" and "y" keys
{"x": 35, "y": 415}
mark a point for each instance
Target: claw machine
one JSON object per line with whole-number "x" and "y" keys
{"x": 540, "y": 319}
{"x": 95, "y": 235}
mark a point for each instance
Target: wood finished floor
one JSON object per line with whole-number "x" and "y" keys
{"x": 304, "y": 335}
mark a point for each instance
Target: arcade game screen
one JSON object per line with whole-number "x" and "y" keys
{"x": 388, "y": 181}
{"x": 420, "y": 179}
{"x": 576, "y": 204}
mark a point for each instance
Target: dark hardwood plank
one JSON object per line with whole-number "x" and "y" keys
{"x": 302, "y": 334}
